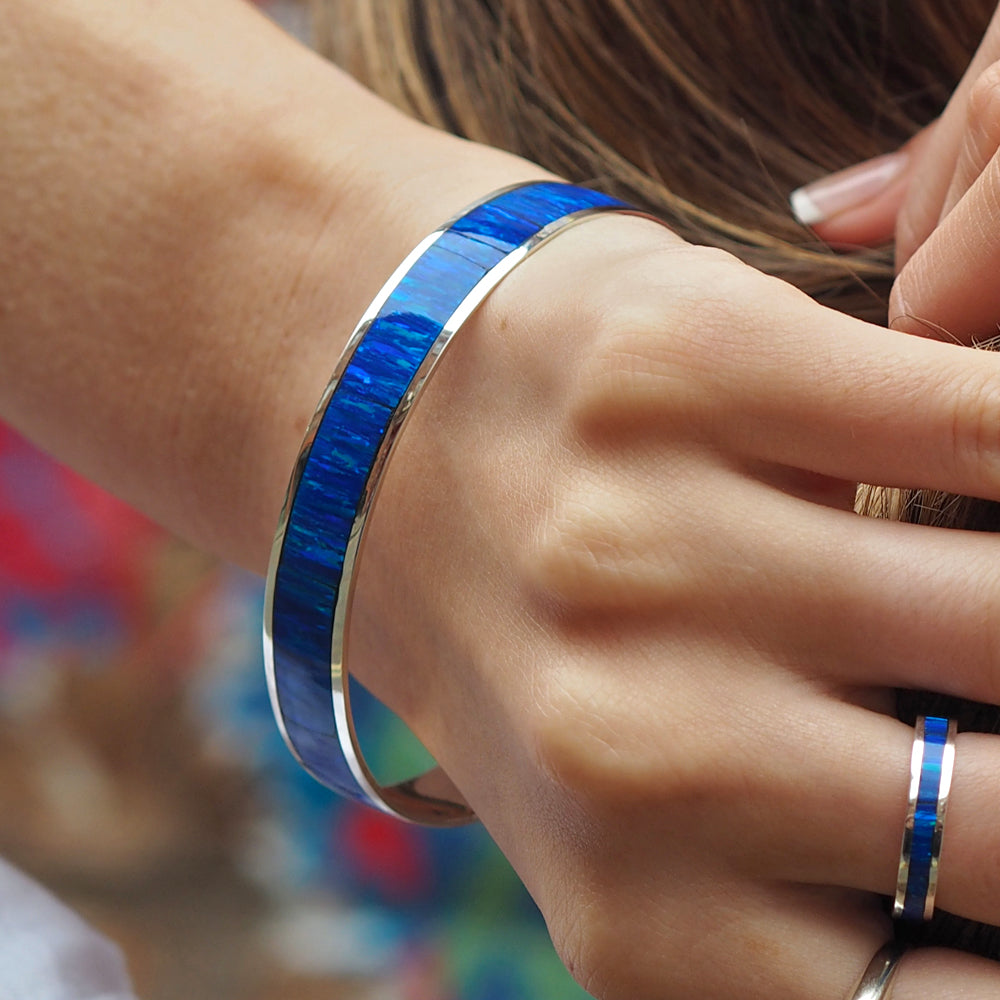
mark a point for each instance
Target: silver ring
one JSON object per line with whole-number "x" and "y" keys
{"x": 931, "y": 766}
{"x": 876, "y": 981}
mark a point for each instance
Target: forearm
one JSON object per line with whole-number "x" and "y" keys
{"x": 196, "y": 212}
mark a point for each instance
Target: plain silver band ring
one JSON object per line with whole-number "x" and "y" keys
{"x": 876, "y": 981}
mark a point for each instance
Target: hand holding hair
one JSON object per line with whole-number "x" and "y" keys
{"x": 939, "y": 196}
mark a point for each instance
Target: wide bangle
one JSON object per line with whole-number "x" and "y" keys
{"x": 386, "y": 363}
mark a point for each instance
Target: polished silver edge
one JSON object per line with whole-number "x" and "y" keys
{"x": 878, "y": 976}
{"x": 347, "y": 737}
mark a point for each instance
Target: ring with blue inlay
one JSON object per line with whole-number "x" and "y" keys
{"x": 386, "y": 363}
{"x": 931, "y": 766}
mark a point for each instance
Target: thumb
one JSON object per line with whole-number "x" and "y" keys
{"x": 859, "y": 206}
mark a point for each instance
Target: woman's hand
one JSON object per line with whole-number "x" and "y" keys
{"x": 651, "y": 642}
{"x": 613, "y": 578}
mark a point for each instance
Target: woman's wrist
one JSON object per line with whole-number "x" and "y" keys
{"x": 345, "y": 231}
{"x": 218, "y": 234}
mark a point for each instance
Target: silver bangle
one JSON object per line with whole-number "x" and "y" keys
{"x": 386, "y": 363}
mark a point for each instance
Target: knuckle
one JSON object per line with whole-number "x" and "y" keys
{"x": 659, "y": 329}
{"x": 983, "y": 107}
{"x": 622, "y": 941}
{"x": 628, "y": 359}
{"x": 591, "y": 953}
{"x": 568, "y": 735}
{"x": 610, "y": 751}
{"x": 603, "y": 544}
{"x": 911, "y": 229}
{"x": 975, "y": 430}
{"x": 577, "y": 547}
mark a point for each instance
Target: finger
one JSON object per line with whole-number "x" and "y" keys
{"x": 950, "y": 283}
{"x": 873, "y": 806}
{"x": 705, "y": 934}
{"x": 770, "y": 940}
{"x": 763, "y": 942}
{"x": 857, "y": 206}
{"x": 788, "y": 382}
{"x": 944, "y": 975}
{"x": 929, "y": 186}
{"x": 981, "y": 138}
{"x": 867, "y": 407}
{"x": 812, "y": 791}
{"x": 868, "y": 602}
{"x": 819, "y": 945}
{"x": 833, "y": 812}
{"x": 847, "y": 601}
{"x": 836, "y": 949}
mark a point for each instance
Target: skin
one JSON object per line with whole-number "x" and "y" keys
{"x": 614, "y": 579}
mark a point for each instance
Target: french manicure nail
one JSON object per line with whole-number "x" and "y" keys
{"x": 821, "y": 200}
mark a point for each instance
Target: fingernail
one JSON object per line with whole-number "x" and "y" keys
{"x": 829, "y": 196}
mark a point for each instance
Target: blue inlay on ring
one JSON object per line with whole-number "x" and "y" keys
{"x": 334, "y": 472}
{"x": 925, "y": 819}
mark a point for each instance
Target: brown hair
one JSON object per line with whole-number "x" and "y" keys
{"x": 707, "y": 115}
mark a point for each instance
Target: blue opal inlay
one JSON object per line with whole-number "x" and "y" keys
{"x": 925, "y": 818}
{"x": 336, "y": 469}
